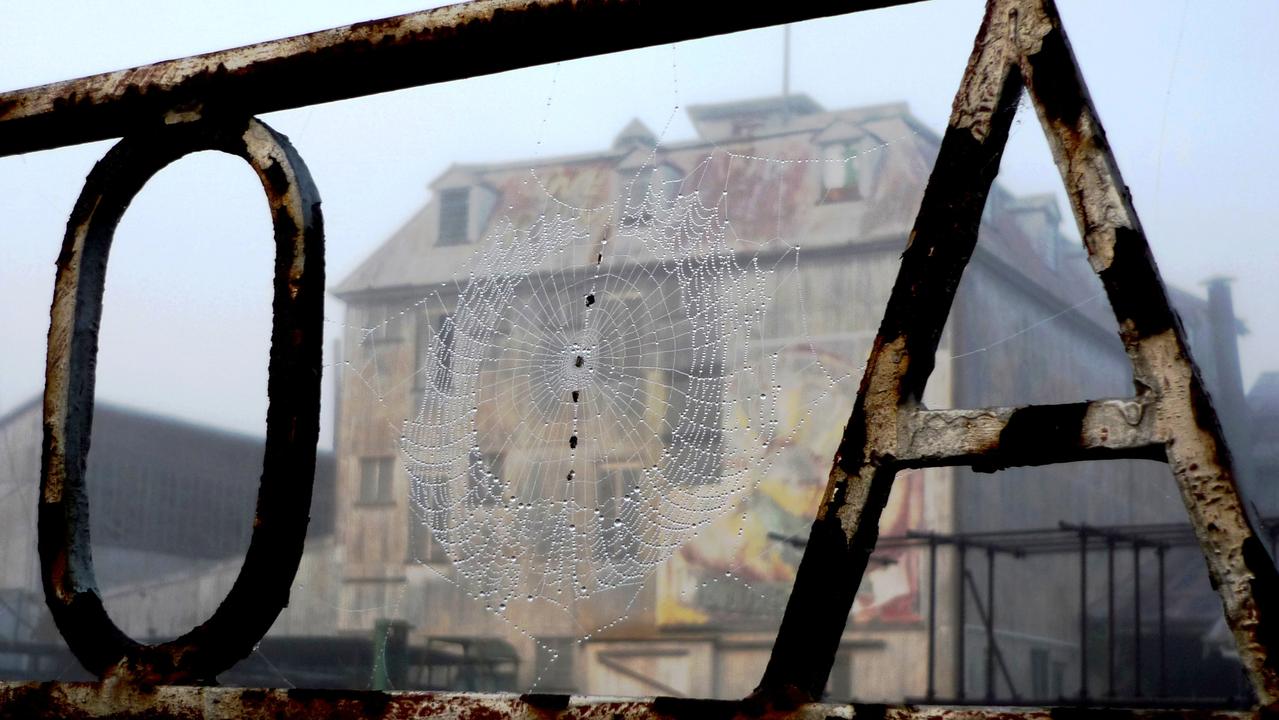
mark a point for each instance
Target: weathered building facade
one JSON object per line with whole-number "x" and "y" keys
{"x": 743, "y": 276}
{"x": 823, "y": 201}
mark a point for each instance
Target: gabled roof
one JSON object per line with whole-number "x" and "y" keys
{"x": 409, "y": 261}
{"x": 456, "y": 175}
{"x": 637, "y": 158}
{"x": 401, "y": 261}
{"x": 840, "y": 131}
{"x": 216, "y": 469}
{"x": 635, "y": 133}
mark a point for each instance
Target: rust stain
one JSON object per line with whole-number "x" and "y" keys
{"x": 35, "y": 701}
{"x": 1020, "y": 41}
{"x": 262, "y": 588}
{"x": 447, "y": 43}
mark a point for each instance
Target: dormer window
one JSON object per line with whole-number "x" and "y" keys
{"x": 848, "y": 162}
{"x": 646, "y": 191}
{"x": 455, "y": 213}
{"x": 464, "y": 206}
{"x": 848, "y": 170}
{"x": 839, "y": 175}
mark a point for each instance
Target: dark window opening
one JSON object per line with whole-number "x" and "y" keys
{"x": 841, "y": 179}
{"x": 422, "y": 545}
{"x": 454, "y": 212}
{"x": 433, "y": 357}
{"x": 376, "y": 478}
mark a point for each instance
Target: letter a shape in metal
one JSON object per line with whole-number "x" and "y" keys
{"x": 1022, "y": 46}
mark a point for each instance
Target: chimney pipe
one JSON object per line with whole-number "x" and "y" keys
{"x": 1227, "y": 384}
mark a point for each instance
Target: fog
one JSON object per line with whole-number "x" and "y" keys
{"x": 427, "y": 355}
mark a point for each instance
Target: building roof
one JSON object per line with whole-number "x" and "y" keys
{"x": 190, "y": 470}
{"x": 785, "y": 151}
{"x": 785, "y": 154}
{"x": 635, "y": 133}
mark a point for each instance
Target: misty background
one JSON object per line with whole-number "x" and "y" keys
{"x": 1185, "y": 91}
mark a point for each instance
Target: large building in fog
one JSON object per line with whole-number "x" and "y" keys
{"x": 167, "y": 499}
{"x": 1030, "y": 324}
{"x": 586, "y": 411}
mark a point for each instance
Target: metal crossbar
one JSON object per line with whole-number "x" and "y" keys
{"x": 207, "y": 102}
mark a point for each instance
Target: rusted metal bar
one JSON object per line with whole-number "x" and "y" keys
{"x": 293, "y": 415}
{"x": 888, "y": 429}
{"x": 448, "y": 43}
{"x": 991, "y": 439}
{"x": 81, "y": 701}
{"x": 983, "y": 543}
{"x": 992, "y": 648}
{"x": 986, "y": 614}
{"x": 901, "y": 359}
{"x": 1240, "y": 567}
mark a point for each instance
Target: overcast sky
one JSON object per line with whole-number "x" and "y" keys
{"x": 1186, "y": 91}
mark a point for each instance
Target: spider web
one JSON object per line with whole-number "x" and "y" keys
{"x": 597, "y": 397}
{"x": 632, "y": 368}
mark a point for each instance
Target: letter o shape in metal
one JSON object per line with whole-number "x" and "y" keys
{"x": 262, "y": 588}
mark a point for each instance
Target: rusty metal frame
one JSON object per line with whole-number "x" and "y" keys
{"x": 1022, "y": 46}
{"x": 167, "y": 109}
{"x": 262, "y": 588}
{"x": 448, "y": 43}
{"x": 80, "y": 701}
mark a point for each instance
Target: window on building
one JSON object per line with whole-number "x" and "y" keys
{"x": 635, "y": 204}
{"x": 422, "y": 545}
{"x": 841, "y": 179}
{"x": 648, "y": 190}
{"x": 376, "y": 476}
{"x": 383, "y": 323}
{"x": 380, "y": 333}
{"x": 484, "y": 478}
{"x": 454, "y": 214}
{"x": 433, "y": 356}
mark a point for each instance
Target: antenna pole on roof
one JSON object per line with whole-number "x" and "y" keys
{"x": 786, "y": 72}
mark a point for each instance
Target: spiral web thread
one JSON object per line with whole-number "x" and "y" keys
{"x": 549, "y": 480}
{"x": 583, "y": 411}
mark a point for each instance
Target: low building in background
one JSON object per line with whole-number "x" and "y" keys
{"x": 171, "y": 505}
